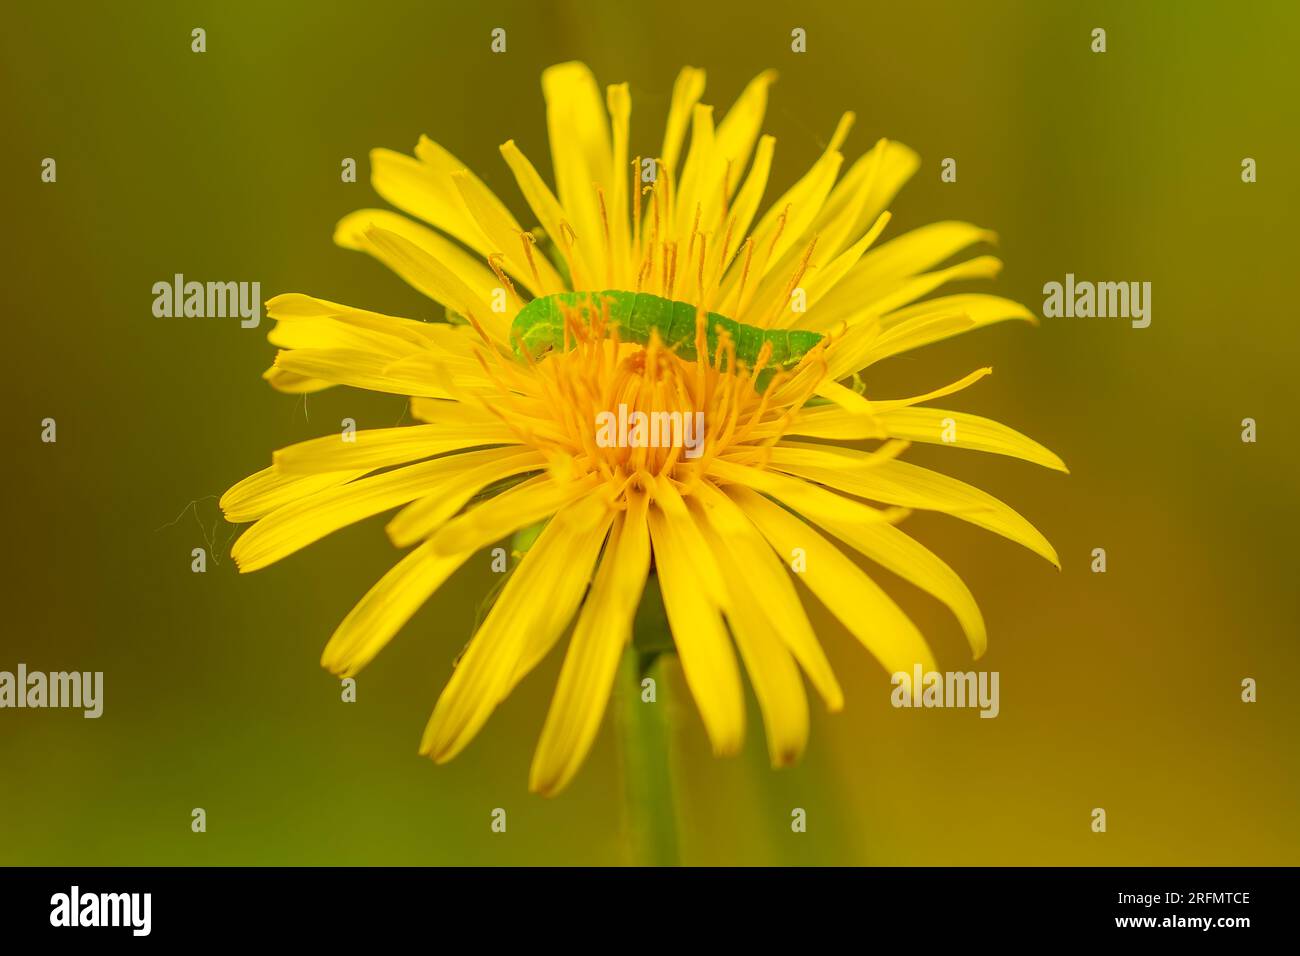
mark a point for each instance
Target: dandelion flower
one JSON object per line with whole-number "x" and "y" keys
{"x": 506, "y": 439}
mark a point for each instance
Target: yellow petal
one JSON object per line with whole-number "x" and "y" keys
{"x": 425, "y": 188}
{"x": 360, "y": 369}
{"x": 918, "y": 250}
{"x": 844, "y": 397}
{"x": 262, "y": 492}
{"x": 825, "y": 279}
{"x": 870, "y": 532}
{"x": 503, "y": 232}
{"x": 437, "y": 411}
{"x": 854, "y": 301}
{"x": 911, "y": 486}
{"x": 331, "y": 334}
{"x": 828, "y": 421}
{"x": 291, "y": 383}
{"x": 836, "y": 223}
{"x": 291, "y": 307}
{"x": 855, "y": 599}
{"x": 451, "y": 490}
{"x": 687, "y": 90}
{"x": 787, "y": 224}
{"x": 811, "y": 183}
{"x": 886, "y": 297}
{"x": 744, "y": 209}
{"x": 619, "y": 103}
{"x": 307, "y": 519}
{"x": 879, "y": 173}
{"x": 427, "y": 192}
{"x": 538, "y": 643}
{"x": 810, "y": 197}
{"x": 850, "y": 423}
{"x": 433, "y": 278}
{"x": 772, "y": 590}
{"x": 917, "y": 332}
{"x": 457, "y": 375}
{"x": 509, "y": 511}
{"x": 771, "y": 668}
{"x": 545, "y": 588}
{"x": 968, "y": 431}
{"x": 437, "y": 158}
{"x": 603, "y": 630}
{"x": 851, "y": 350}
{"x": 981, "y": 309}
{"x": 380, "y": 447}
{"x": 578, "y": 130}
{"x": 548, "y": 210}
{"x": 939, "y": 319}
{"x": 739, "y": 129}
{"x": 701, "y": 178}
{"x": 386, "y": 608}
{"x": 691, "y": 599}
{"x": 896, "y": 167}
{"x": 350, "y": 233}
{"x": 962, "y": 383}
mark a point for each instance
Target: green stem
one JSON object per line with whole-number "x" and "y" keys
{"x": 650, "y": 820}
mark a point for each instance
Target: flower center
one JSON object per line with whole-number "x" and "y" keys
{"x": 630, "y": 410}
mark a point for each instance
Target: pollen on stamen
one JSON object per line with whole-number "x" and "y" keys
{"x": 609, "y": 245}
{"x": 795, "y": 278}
{"x": 494, "y": 261}
{"x": 570, "y": 240}
{"x": 528, "y": 240}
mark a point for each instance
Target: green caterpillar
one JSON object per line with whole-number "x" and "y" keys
{"x": 539, "y": 327}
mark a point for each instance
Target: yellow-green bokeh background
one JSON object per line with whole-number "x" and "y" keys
{"x": 1118, "y": 691}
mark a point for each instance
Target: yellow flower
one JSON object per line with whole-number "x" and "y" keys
{"x": 507, "y": 442}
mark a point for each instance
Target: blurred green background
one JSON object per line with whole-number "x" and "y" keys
{"x": 1118, "y": 690}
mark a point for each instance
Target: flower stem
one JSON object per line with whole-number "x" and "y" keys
{"x": 650, "y": 820}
